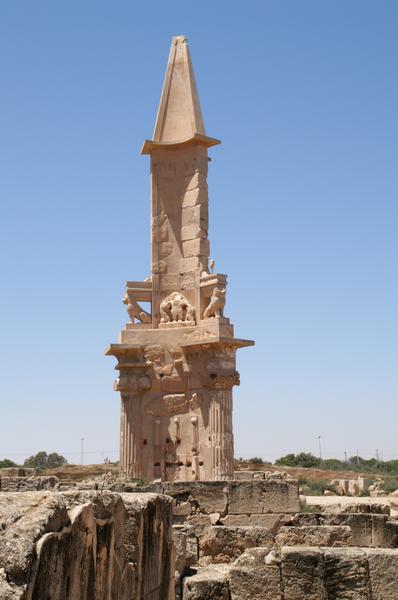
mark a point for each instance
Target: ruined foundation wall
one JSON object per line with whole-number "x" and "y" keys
{"x": 85, "y": 546}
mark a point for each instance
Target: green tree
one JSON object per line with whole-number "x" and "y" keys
{"x": 255, "y": 460}
{"x": 303, "y": 459}
{"x": 289, "y": 460}
{"x": 55, "y": 460}
{"x": 42, "y": 460}
{"x": 6, "y": 463}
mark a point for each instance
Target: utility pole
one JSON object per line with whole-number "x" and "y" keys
{"x": 345, "y": 457}
{"x": 320, "y": 449}
{"x": 81, "y": 451}
{"x": 357, "y": 457}
{"x": 377, "y": 456}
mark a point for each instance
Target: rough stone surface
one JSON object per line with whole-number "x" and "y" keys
{"x": 76, "y": 546}
{"x": 251, "y": 578}
{"x": 346, "y": 573}
{"x": 271, "y": 521}
{"x": 383, "y": 573}
{"x": 221, "y": 544}
{"x": 28, "y": 484}
{"x": 318, "y": 535}
{"x": 208, "y": 584}
{"x": 272, "y": 495}
{"x": 303, "y": 574}
{"x": 149, "y": 543}
{"x": 204, "y": 497}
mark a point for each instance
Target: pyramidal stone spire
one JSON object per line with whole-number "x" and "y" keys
{"x": 179, "y": 117}
{"x": 176, "y": 356}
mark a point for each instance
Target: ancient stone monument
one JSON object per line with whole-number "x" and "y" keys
{"x": 177, "y": 359}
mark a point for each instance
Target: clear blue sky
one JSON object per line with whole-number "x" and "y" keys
{"x": 304, "y": 212}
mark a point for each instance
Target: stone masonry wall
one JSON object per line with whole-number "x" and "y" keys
{"x": 298, "y": 574}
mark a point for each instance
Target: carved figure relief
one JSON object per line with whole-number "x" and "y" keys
{"x": 176, "y": 309}
{"x": 168, "y": 368}
{"x": 168, "y": 406}
{"x": 132, "y": 383}
{"x": 216, "y": 304}
{"x": 136, "y": 311}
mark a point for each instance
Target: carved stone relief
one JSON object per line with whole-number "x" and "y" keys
{"x": 132, "y": 383}
{"x": 159, "y": 267}
{"x": 160, "y": 232}
{"x": 176, "y": 309}
{"x": 168, "y": 405}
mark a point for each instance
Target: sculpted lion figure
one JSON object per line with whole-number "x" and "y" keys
{"x": 136, "y": 311}
{"x": 216, "y": 304}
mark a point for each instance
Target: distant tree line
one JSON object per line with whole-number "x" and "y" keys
{"x": 41, "y": 460}
{"x": 354, "y": 463}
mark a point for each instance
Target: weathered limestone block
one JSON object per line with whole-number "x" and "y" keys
{"x": 72, "y": 546}
{"x": 248, "y": 475}
{"x": 346, "y": 573}
{"x": 383, "y": 573}
{"x": 366, "y": 507}
{"x": 186, "y": 553}
{"x": 191, "y": 232}
{"x": 192, "y": 263}
{"x": 256, "y": 575}
{"x": 28, "y": 484}
{"x": 196, "y": 248}
{"x": 271, "y": 521}
{"x": 205, "y": 497}
{"x": 195, "y": 215}
{"x": 209, "y": 583}
{"x": 186, "y": 547}
{"x": 315, "y": 535}
{"x": 149, "y": 544}
{"x": 390, "y": 535}
{"x": 9, "y": 591}
{"x": 263, "y": 496}
{"x": 196, "y": 182}
{"x": 303, "y": 574}
{"x": 303, "y": 519}
{"x": 64, "y": 545}
{"x": 367, "y": 530}
{"x": 17, "y": 472}
{"x": 199, "y": 522}
{"x": 221, "y": 544}
{"x": 193, "y": 198}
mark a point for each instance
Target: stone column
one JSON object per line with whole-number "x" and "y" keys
{"x": 130, "y": 439}
{"x": 222, "y": 441}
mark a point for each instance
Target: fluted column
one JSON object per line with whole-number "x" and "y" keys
{"x": 222, "y": 444}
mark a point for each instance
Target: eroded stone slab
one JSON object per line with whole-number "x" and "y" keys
{"x": 220, "y": 544}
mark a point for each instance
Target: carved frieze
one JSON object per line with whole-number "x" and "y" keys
{"x": 132, "y": 383}
{"x": 175, "y": 308}
{"x": 168, "y": 405}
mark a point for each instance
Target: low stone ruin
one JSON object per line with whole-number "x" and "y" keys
{"x": 230, "y": 540}
{"x": 85, "y": 545}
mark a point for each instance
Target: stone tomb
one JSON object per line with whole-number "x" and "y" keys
{"x": 176, "y": 356}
